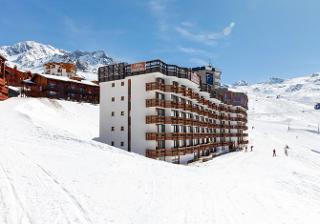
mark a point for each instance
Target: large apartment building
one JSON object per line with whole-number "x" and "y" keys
{"x": 170, "y": 113}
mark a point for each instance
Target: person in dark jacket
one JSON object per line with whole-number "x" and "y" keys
{"x": 286, "y": 150}
{"x": 274, "y": 153}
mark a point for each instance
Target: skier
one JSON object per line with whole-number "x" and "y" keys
{"x": 274, "y": 153}
{"x": 246, "y": 148}
{"x": 251, "y": 148}
{"x": 286, "y": 150}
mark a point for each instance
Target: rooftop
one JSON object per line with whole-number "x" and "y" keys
{"x": 61, "y": 78}
{"x": 122, "y": 70}
{"x": 3, "y": 58}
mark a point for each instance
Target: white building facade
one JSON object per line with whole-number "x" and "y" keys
{"x": 167, "y": 112}
{"x": 60, "y": 69}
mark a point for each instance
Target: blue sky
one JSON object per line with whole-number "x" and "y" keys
{"x": 247, "y": 39}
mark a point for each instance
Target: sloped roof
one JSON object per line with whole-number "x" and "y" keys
{"x": 66, "y": 79}
{"x": 3, "y": 58}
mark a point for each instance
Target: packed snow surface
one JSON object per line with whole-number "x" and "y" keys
{"x": 53, "y": 171}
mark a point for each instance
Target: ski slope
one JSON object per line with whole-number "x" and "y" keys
{"x": 52, "y": 171}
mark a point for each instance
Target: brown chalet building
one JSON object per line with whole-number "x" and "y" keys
{"x": 3, "y": 84}
{"x": 61, "y": 87}
{"x": 15, "y": 77}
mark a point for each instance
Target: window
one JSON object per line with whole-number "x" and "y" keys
{"x": 161, "y": 128}
{"x": 122, "y": 113}
{"x": 121, "y": 143}
{"x": 113, "y": 84}
{"x": 122, "y": 83}
{"x": 112, "y": 99}
{"x": 122, "y": 128}
{"x": 112, "y": 113}
{"x": 160, "y": 112}
{"x": 160, "y": 96}
{"x": 175, "y": 113}
{"x": 122, "y": 98}
{"x": 161, "y": 144}
{"x": 112, "y": 143}
{"x": 112, "y": 128}
{"x": 174, "y": 98}
{"x": 51, "y": 85}
{"x": 160, "y": 80}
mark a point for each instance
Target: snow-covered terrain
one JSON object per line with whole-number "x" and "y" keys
{"x": 52, "y": 171}
{"x": 304, "y": 89}
{"x": 31, "y": 55}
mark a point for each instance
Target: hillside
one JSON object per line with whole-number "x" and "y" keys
{"x": 304, "y": 89}
{"x": 52, "y": 170}
{"x": 31, "y": 55}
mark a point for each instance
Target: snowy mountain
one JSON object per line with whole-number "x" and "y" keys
{"x": 31, "y": 55}
{"x": 240, "y": 83}
{"x": 304, "y": 89}
{"x": 275, "y": 80}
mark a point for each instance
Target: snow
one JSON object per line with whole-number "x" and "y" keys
{"x": 240, "y": 83}
{"x": 53, "y": 171}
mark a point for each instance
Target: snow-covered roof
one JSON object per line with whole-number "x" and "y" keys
{"x": 67, "y": 79}
{"x": 2, "y": 57}
{"x": 28, "y": 81}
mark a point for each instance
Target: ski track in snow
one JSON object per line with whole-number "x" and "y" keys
{"x": 40, "y": 175}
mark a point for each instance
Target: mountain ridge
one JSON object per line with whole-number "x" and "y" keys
{"x": 32, "y": 55}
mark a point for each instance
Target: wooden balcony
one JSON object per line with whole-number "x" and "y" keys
{"x": 192, "y": 108}
{"x": 244, "y": 142}
{"x": 4, "y": 90}
{"x": 156, "y": 119}
{"x": 168, "y": 136}
{"x": 195, "y": 96}
{"x": 155, "y": 86}
{"x": 171, "y": 88}
{"x": 2, "y": 82}
{"x": 182, "y": 90}
{"x": 180, "y": 151}
{"x": 161, "y": 87}
{"x": 189, "y": 93}
{"x": 153, "y": 136}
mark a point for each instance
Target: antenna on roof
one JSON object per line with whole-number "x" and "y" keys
{"x": 210, "y": 64}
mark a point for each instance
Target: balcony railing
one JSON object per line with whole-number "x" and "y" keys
{"x": 156, "y": 119}
{"x": 180, "y": 151}
{"x": 191, "y": 94}
{"x": 154, "y": 136}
